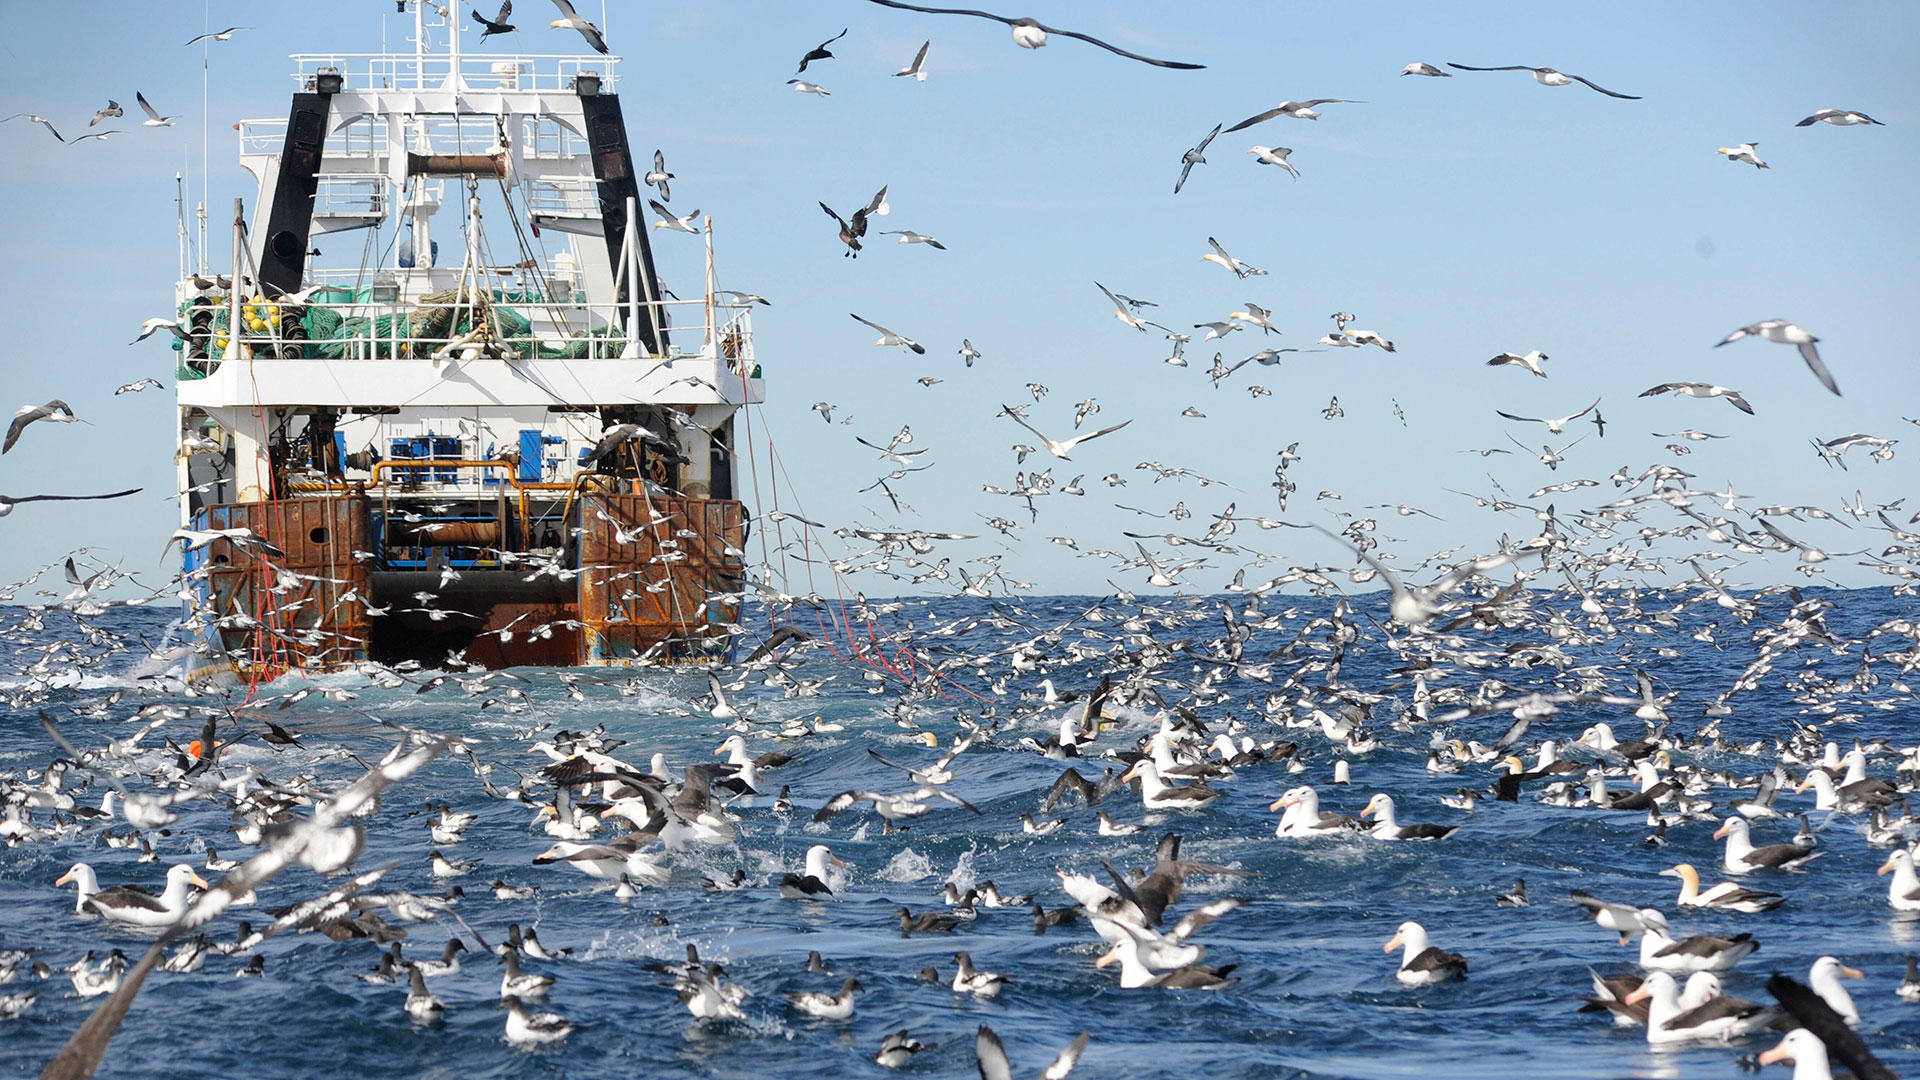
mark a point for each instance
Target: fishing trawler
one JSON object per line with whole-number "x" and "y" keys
{"x": 489, "y": 433}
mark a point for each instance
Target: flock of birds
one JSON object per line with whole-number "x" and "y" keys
{"x": 1172, "y": 710}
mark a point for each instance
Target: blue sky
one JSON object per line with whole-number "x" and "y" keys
{"x": 1460, "y": 217}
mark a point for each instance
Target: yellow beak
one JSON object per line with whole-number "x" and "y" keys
{"x": 1391, "y": 945}
{"x": 1852, "y": 973}
{"x": 1111, "y": 956}
{"x": 199, "y": 881}
{"x": 1886, "y": 866}
{"x": 1774, "y": 1056}
{"x": 64, "y": 878}
{"x": 1640, "y": 993}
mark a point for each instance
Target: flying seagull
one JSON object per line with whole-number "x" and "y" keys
{"x": 498, "y": 24}
{"x": 8, "y": 502}
{"x": 1554, "y": 426}
{"x": 1032, "y": 34}
{"x": 852, "y": 229}
{"x": 136, "y": 387}
{"x": 223, "y": 35}
{"x": 677, "y": 224}
{"x": 57, "y": 411}
{"x": 659, "y": 176}
{"x": 802, "y": 86}
{"x": 1839, "y": 118}
{"x": 1418, "y": 68}
{"x": 570, "y": 20}
{"x": 1702, "y": 390}
{"x": 1299, "y": 110}
{"x": 113, "y": 109}
{"x": 917, "y": 69}
{"x": 1547, "y": 76}
{"x": 154, "y": 119}
{"x": 41, "y": 120}
{"x": 888, "y": 337}
{"x": 1786, "y": 333}
{"x": 1061, "y": 449}
{"x": 819, "y": 52}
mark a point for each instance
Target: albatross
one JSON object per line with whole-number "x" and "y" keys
{"x": 130, "y": 904}
{"x": 1032, "y": 34}
{"x": 8, "y": 502}
{"x": 1702, "y": 390}
{"x": 1299, "y": 110}
{"x": 1193, "y": 157}
{"x": 154, "y": 119}
{"x": 1547, "y": 76}
{"x": 1422, "y": 964}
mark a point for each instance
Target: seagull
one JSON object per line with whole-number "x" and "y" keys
{"x": 570, "y": 20}
{"x": 1554, "y": 426}
{"x": 56, "y": 411}
{"x": 1418, "y": 68}
{"x": 1746, "y": 152}
{"x": 1299, "y": 110}
{"x": 825, "y": 409}
{"x": 1546, "y": 76}
{"x": 1193, "y": 157}
{"x": 1702, "y": 390}
{"x": 855, "y": 227}
{"x": 819, "y": 52}
{"x": 968, "y": 352}
{"x": 917, "y": 68}
{"x": 1031, "y": 34}
{"x": 1062, "y": 449}
{"x": 154, "y": 119}
{"x": 95, "y": 135}
{"x": 659, "y": 176}
{"x": 1370, "y": 337}
{"x": 113, "y": 109}
{"x": 8, "y": 502}
{"x": 1276, "y": 155}
{"x": 802, "y": 86}
{"x": 1786, "y": 333}
{"x": 224, "y": 35}
{"x": 908, "y": 236}
{"x": 677, "y": 224}
{"x": 136, "y": 387}
{"x": 1839, "y": 118}
{"x": 41, "y": 120}
{"x": 888, "y": 337}
{"x": 1531, "y": 362}
{"x": 498, "y": 24}
{"x": 1219, "y": 255}
{"x": 1419, "y": 606}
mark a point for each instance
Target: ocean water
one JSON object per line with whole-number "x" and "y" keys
{"x": 1316, "y": 997}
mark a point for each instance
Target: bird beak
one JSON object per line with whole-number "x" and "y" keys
{"x": 1886, "y": 866}
{"x": 1391, "y": 945}
{"x": 1774, "y": 1056}
{"x": 1852, "y": 973}
{"x": 1639, "y": 994}
{"x": 1720, "y": 832}
{"x": 1111, "y": 956}
{"x": 199, "y": 881}
{"x": 1133, "y": 772}
{"x": 1799, "y": 787}
{"x": 1367, "y": 811}
{"x": 721, "y": 749}
{"x": 837, "y": 861}
{"x": 1284, "y": 800}
{"x": 64, "y": 878}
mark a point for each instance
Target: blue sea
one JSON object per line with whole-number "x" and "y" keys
{"x": 1316, "y": 995}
